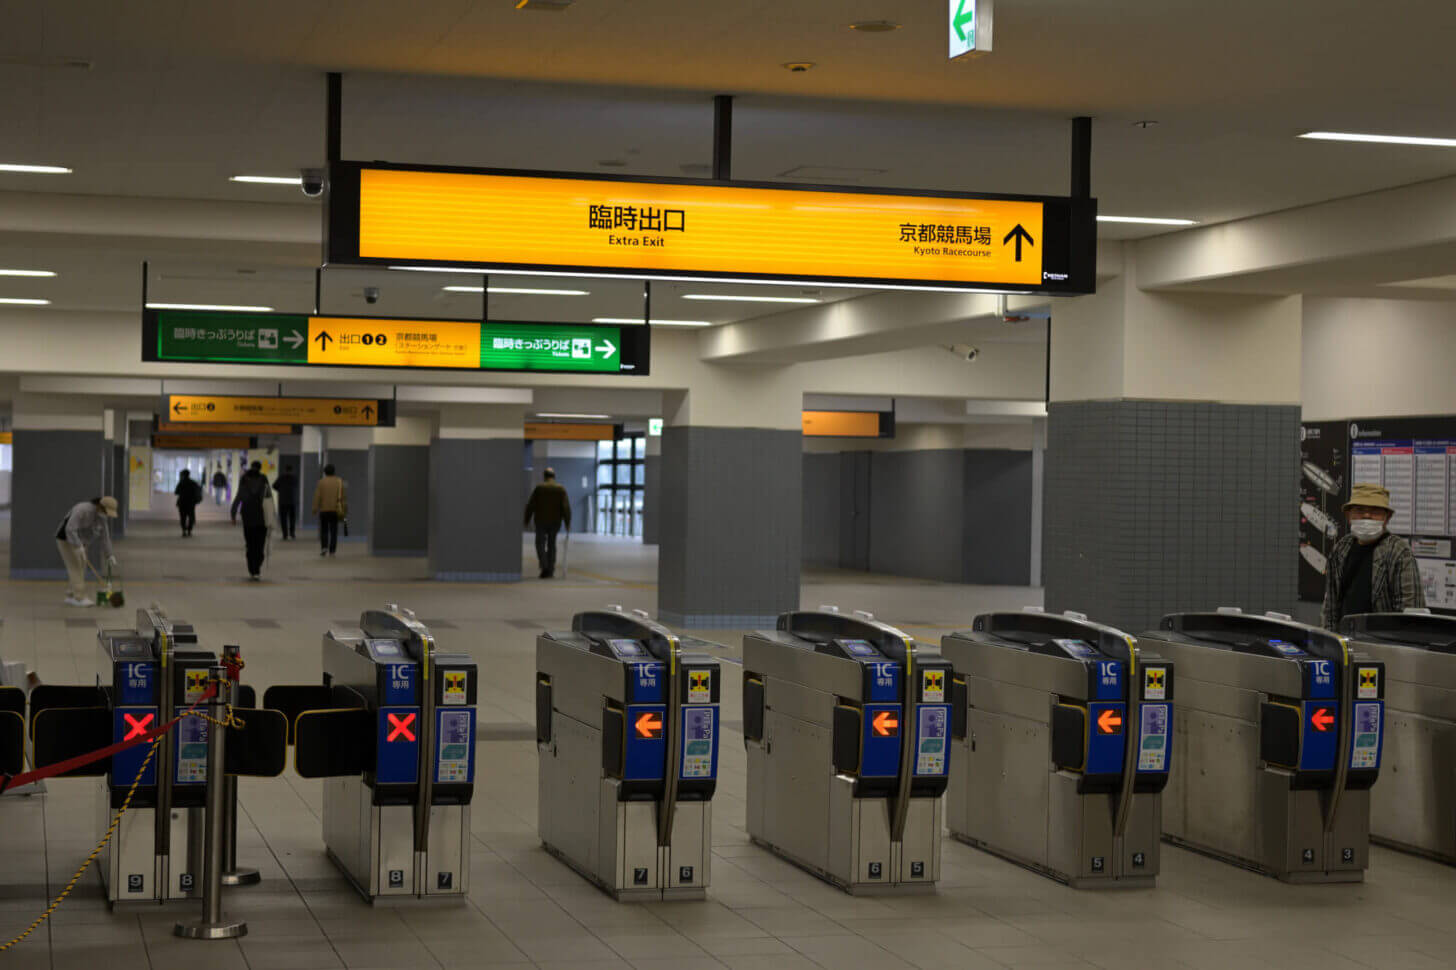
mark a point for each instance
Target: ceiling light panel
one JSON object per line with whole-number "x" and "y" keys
{"x": 1380, "y": 139}
{"x": 209, "y": 306}
{"x": 516, "y": 290}
{"x": 729, "y": 298}
{"x": 1148, "y": 221}
{"x": 655, "y": 323}
{"x": 267, "y": 179}
{"x": 34, "y": 169}
{"x": 19, "y": 301}
{"x": 26, "y": 272}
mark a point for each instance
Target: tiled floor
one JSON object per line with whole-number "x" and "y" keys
{"x": 526, "y": 908}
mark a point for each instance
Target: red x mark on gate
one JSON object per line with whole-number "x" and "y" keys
{"x": 399, "y": 727}
{"x": 136, "y": 727}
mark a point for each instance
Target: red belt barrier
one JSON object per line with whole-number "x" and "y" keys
{"x": 82, "y": 760}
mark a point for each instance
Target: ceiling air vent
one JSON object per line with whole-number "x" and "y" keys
{"x": 547, "y": 6}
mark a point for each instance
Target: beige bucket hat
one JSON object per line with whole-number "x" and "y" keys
{"x": 1370, "y": 495}
{"x": 109, "y": 506}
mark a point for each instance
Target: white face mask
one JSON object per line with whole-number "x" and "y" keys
{"x": 1366, "y": 530}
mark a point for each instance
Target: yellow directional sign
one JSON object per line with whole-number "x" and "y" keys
{"x": 377, "y": 342}
{"x": 211, "y": 408}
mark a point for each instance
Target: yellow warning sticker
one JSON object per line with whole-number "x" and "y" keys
{"x": 1156, "y": 684}
{"x": 1368, "y": 686}
{"x": 455, "y": 682}
{"x": 934, "y": 692}
{"x": 700, "y": 686}
{"x": 196, "y": 686}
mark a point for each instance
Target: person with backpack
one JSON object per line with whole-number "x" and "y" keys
{"x": 85, "y": 523}
{"x": 188, "y": 493}
{"x": 254, "y": 500}
{"x": 285, "y": 487}
{"x": 331, "y": 505}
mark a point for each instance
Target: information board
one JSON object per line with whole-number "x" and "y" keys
{"x": 204, "y": 409}
{"x": 335, "y": 341}
{"x": 1415, "y": 459}
{"x": 622, "y": 225}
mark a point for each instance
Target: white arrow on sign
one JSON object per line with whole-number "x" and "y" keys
{"x": 294, "y": 339}
{"x": 607, "y": 349}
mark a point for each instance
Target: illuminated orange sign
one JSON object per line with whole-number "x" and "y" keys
{"x": 1109, "y": 722}
{"x": 380, "y": 342}
{"x": 683, "y": 228}
{"x": 648, "y": 725}
{"x": 209, "y": 408}
{"x": 886, "y": 724}
{"x": 841, "y": 424}
{"x": 548, "y": 431}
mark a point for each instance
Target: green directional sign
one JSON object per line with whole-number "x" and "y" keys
{"x": 970, "y": 27}
{"x": 336, "y": 341}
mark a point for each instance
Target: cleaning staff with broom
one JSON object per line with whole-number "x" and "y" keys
{"x": 84, "y": 524}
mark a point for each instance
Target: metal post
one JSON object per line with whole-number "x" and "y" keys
{"x": 1081, "y": 158}
{"x": 723, "y": 137}
{"x": 231, "y": 874}
{"x": 334, "y": 122}
{"x": 485, "y": 298}
{"x": 647, "y": 303}
{"x": 213, "y": 926}
{"x": 318, "y": 290}
{"x": 145, "y": 274}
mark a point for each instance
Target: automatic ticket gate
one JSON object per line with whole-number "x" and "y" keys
{"x": 847, "y": 724}
{"x": 1062, "y": 736}
{"x": 392, "y": 732}
{"x": 1279, "y": 731}
{"x": 627, "y": 738}
{"x": 1414, "y": 806}
{"x": 148, "y": 676}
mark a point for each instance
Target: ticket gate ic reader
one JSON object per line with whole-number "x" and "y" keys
{"x": 627, "y": 724}
{"x": 847, "y": 724}
{"x": 1062, "y": 746}
{"x": 1279, "y": 731}
{"x": 391, "y": 730}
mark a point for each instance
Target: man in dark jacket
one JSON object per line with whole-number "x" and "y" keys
{"x": 285, "y": 487}
{"x": 188, "y": 493}
{"x": 252, "y": 498}
{"x": 1370, "y": 570}
{"x": 551, "y": 508}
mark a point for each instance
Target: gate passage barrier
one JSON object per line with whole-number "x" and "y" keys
{"x": 1414, "y": 806}
{"x": 1062, "y": 734}
{"x": 1278, "y": 740}
{"x": 847, "y": 725}
{"x": 147, "y": 676}
{"x": 627, "y": 742}
{"x": 392, "y": 731}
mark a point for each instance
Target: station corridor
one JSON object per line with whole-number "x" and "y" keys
{"x": 526, "y": 908}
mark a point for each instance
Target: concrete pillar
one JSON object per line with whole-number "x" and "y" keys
{"x": 475, "y": 493}
{"x": 1172, "y": 456}
{"x": 58, "y": 460}
{"x": 310, "y": 470}
{"x": 652, "y": 491}
{"x": 347, "y": 449}
{"x": 399, "y": 472}
{"x": 730, "y": 515}
{"x": 114, "y": 429}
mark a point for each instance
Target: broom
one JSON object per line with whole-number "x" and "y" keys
{"x": 108, "y": 596}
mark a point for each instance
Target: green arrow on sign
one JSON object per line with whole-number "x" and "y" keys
{"x": 963, "y": 18}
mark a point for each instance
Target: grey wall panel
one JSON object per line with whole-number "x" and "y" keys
{"x": 353, "y": 467}
{"x": 399, "y": 507}
{"x": 1155, "y": 507}
{"x": 916, "y": 513}
{"x": 475, "y": 505}
{"x": 822, "y": 512}
{"x": 116, "y": 483}
{"x": 52, "y": 471}
{"x": 854, "y": 509}
{"x": 996, "y": 544}
{"x": 651, "y": 514}
{"x": 731, "y": 533}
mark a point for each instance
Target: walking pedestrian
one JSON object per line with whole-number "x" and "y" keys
{"x": 331, "y": 505}
{"x": 551, "y": 508}
{"x": 84, "y": 524}
{"x": 285, "y": 488}
{"x": 252, "y": 500}
{"x": 188, "y": 493}
{"x": 219, "y": 486}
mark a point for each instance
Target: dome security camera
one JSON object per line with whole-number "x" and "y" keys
{"x": 313, "y": 182}
{"x": 371, "y": 294}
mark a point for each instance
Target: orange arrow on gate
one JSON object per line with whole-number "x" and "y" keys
{"x": 1109, "y": 722}
{"x": 886, "y": 724}
{"x": 1322, "y": 719}
{"x": 649, "y": 725}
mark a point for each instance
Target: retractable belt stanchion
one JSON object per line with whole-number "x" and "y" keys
{"x": 231, "y": 874}
{"x": 213, "y": 926}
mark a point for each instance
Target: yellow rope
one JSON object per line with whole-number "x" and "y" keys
{"x": 231, "y": 720}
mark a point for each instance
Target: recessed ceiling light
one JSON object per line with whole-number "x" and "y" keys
{"x": 209, "y": 306}
{"x": 35, "y": 169}
{"x": 655, "y": 323}
{"x": 519, "y": 290}
{"x": 1148, "y": 220}
{"x": 1145, "y": 123}
{"x": 874, "y": 26}
{"x": 267, "y": 179}
{"x": 749, "y": 299}
{"x": 799, "y": 67}
{"x": 26, "y": 272}
{"x": 18, "y": 301}
{"x": 1380, "y": 139}
{"x": 565, "y": 414}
